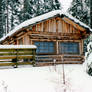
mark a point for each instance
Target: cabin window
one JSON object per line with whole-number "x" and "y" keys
{"x": 45, "y": 47}
{"x": 20, "y": 41}
{"x": 69, "y": 47}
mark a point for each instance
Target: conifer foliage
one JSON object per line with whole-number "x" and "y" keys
{"x": 80, "y": 10}
{"x": 33, "y": 8}
{"x": 9, "y": 11}
{"x": 1, "y": 20}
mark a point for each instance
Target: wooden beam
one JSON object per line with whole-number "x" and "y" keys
{"x": 77, "y": 26}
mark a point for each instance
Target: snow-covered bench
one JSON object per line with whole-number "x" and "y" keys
{"x": 11, "y": 54}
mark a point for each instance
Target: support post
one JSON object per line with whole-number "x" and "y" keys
{"x": 33, "y": 62}
{"x": 63, "y": 72}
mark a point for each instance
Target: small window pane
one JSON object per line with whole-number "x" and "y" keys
{"x": 45, "y": 47}
{"x": 69, "y": 48}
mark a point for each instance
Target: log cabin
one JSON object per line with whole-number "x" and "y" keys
{"x": 58, "y": 36}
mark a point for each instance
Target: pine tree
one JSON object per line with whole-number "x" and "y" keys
{"x": 1, "y": 20}
{"x": 38, "y": 8}
{"x": 10, "y": 14}
{"x": 80, "y": 11}
{"x": 34, "y": 8}
{"x": 4, "y": 15}
{"x": 91, "y": 13}
{"x": 14, "y": 13}
{"x": 26, "y": 10}
{"x": 50, "y": 5}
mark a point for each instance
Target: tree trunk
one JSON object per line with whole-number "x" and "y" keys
{"x": 7, "y": 29}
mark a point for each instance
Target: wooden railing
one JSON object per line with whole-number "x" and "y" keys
{"x": 11, "y": 54}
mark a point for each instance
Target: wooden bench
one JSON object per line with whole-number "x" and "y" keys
{"x": 12, "y": 54}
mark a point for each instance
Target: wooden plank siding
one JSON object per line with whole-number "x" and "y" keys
{"x": 55, "y": 25}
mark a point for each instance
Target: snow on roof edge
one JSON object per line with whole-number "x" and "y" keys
{"x": 77, "y": 21}
{"x": 17, "y": 47}
{"x": 43, "y": 17}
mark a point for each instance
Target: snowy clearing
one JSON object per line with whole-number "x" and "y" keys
{"x": 45, "y": 79}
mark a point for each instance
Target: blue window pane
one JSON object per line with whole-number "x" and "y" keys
{"x": 69, "y": 48}
{"x": 45, "y": 47}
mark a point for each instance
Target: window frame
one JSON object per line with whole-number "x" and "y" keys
{"x": 48, "y": 53}
{"x": 76, "y": 52}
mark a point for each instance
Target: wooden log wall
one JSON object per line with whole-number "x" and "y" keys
{"x": 48, "y": 30}
{"x": 54, "y": 29}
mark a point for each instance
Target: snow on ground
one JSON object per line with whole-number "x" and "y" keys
{"x": 45, "y": 79}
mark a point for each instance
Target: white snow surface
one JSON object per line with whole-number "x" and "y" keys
{"x": 41, "y": 18}
{"x": 17, "y": 46}
{"x": 45, "y": 79}
{"x": 65, "y": 4}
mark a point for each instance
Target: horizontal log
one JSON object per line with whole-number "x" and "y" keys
{"x": 14, "y": 53}
{"x": 11, "y": 64}
{"x": 14, "y": 50}
{"x": 14, "y": 56}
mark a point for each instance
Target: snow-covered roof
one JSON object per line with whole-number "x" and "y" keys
{"x": 44, "y": 17}
{"x": 17, "y": 47}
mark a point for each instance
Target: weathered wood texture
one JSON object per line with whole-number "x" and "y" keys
{"x": 67, "y": 59}
{"x": 16, "y": 53}
{"x": 54, "y": 29}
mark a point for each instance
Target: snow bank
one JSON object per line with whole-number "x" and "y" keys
{"x": 45, "y": 79}
{"x": 44, "y": 17}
